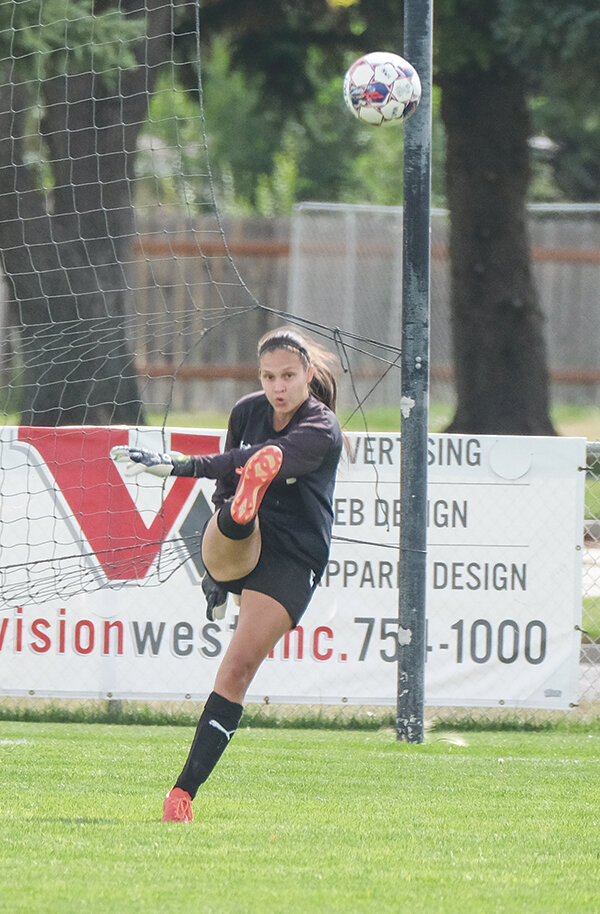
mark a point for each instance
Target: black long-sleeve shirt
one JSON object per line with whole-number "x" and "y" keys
{"x": 297, "y": 507}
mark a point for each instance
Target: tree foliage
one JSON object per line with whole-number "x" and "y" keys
{"x": 66, "y": 218}
{"x": 555, "y": 45}
{"x": 45, "y": 38}
{"x": 500, "y": 358}
{"x": 278, "y": 132}
{"x": 286, "y": 60}
{"x": 278, "y": 128}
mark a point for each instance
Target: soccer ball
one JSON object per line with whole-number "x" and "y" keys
{"x": 380, "y": 88}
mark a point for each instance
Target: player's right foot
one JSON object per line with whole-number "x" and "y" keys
{"x": 255, "y": 478}
{"x": 177, "y": 806}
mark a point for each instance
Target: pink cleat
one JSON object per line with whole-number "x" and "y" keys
{"x": 255, "y": 478}
{"x": 178, "y": 806}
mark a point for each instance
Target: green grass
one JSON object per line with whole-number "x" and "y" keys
{"x": 577, "y": 421}
{"x": 569, "y": 420}
{"x": 591, "y": 618}
{"x": 298, "y": 821}
{"x": 592, "y": 494}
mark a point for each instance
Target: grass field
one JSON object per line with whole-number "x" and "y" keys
{"x": 591, "y": 618}
{"x": 569, "y": 420}
{"x": 295, "y": 821}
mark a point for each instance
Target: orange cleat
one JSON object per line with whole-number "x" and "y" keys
{"x": 255, "y": 478}
{"x": 178, "y": 806}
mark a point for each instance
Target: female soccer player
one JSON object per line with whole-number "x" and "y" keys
{"x": 269, "y": 540}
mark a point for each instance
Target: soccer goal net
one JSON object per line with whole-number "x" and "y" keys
{"x": 126, "y": 317}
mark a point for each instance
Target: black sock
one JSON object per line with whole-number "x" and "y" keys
{"x": 230, "y": 528}
{"x": 216, "y": 726}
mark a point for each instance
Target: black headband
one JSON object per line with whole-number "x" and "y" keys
{"x": 283, "y": 341}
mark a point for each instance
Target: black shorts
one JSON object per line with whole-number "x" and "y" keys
{"x": 279, "y": 575}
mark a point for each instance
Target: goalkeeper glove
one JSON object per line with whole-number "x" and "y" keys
{"x": 140, "y": 460}
{"x": 216, "y": 599}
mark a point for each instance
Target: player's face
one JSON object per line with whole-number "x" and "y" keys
{"x": 285, "y": 381}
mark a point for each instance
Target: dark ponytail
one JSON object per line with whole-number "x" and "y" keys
{"x": 323, "y": 385}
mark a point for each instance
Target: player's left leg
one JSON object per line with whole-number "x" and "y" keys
{"x": 262, "y": 622}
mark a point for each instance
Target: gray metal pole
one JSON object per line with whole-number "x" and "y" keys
{"x": 410, "y": 712}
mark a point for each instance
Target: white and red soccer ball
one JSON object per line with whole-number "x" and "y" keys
{"x": 382, "y": 88}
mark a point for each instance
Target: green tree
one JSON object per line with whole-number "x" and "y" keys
{"x": 490, "y": 56}
{"x": 490, "y": 59}
{"x": 86, "y": 71}
{"x": 272, "y": 77}
{"x": 562, "y": 65}
{"x": 75, "y": 80}
{"x": 499, "y": 352}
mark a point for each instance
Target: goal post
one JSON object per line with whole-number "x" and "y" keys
{"x": 410, "y": 711}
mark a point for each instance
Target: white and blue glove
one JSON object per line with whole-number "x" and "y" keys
{"x": 142, "y": 460}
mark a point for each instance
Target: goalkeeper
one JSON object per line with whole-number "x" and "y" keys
{"x": 269, "y": 540}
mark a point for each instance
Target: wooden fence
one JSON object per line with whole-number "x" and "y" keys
{"x": 186, "y": 273}
{"x": 196, "y": 298}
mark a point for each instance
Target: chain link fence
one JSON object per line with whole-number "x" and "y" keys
{"x": 346, "y": 270}
{"x": 590, "y": 635}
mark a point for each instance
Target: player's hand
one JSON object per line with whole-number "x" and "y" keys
{"x": 216, "y": 599}
{"x": 142, "y": 460}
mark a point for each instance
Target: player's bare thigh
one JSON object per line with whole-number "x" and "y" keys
{"x": 226, "y": 559}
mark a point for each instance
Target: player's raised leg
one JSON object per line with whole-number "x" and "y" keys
{"x": 231, "y": 544}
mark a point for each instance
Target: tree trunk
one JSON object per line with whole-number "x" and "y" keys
{"x": 65, "y": 259}
{"x": 497, "y": 325}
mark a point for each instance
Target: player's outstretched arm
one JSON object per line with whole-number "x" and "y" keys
{"x": 142, "y": 460}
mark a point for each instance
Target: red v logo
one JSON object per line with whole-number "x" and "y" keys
{"x": 79, "y": 461}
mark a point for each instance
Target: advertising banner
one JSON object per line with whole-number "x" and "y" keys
{"x": 100, "y": 574}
